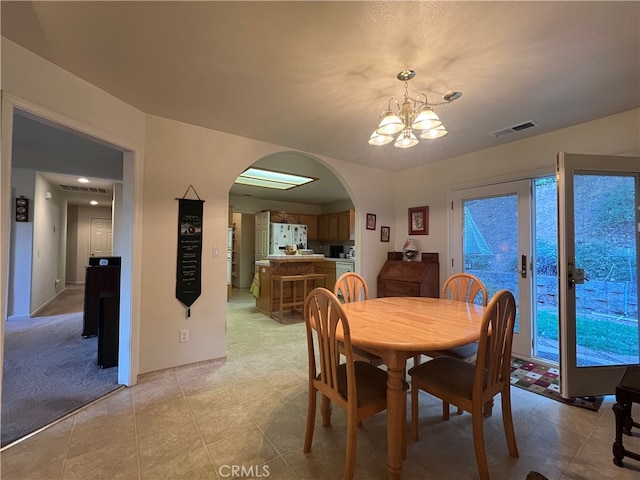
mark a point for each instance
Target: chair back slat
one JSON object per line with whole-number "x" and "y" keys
{"x": 495, "y": 344}
{"x": 352, "y": 287}
{"x": 464, "y": 287}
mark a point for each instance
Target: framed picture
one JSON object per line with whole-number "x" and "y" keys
{"x": 371, "y": 221}
{"x": 419, "y": 221}
{"x": 385, "y": 233}
{"x": 22, "y": 209}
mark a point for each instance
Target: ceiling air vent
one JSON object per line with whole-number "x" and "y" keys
{"x": 513, "y": 129}
{"x": 74, "y": 188}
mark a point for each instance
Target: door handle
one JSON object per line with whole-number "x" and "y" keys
{"x": 523, "y": 266}
{"x": 575, "y": 276}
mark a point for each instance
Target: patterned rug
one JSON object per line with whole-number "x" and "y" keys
{"x": 543, "y": 380}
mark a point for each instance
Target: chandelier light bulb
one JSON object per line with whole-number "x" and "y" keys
{"x": 377, "y": 139}
{"x": 426, "y": 120}
{"x": 406, "y": 139}
{"x": 434, "y": 133}
{"x": 390, "y": 124}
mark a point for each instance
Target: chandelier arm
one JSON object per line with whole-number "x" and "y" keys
{"x": 418, "y": 101}
{"x": 393, "y": 99}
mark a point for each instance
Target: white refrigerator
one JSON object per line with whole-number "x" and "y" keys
{"x": 283, "y": 234}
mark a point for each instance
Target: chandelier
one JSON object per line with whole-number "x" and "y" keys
{"x": 414, "y": 114}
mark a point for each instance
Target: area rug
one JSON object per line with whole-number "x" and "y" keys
{"x": 544, "y": 381}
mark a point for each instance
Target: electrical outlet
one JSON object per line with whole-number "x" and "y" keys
{"x": 184, "y": 335}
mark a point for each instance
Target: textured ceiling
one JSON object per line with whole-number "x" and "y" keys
{"x": 314, "y": 76}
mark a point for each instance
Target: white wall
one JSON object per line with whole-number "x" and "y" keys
{"x": 210, "y": 161}
{"x": 431, "y": 184}
{"x": 21, "y": 241}
{"x": 49, "y": 228}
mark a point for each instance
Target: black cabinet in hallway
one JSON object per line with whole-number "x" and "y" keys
{"x": 101, "y": 276}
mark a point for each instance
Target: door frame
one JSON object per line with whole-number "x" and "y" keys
{"x": 127, "y": 217}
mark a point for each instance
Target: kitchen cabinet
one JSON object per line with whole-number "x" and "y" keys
{"x": 346, "y": 225}
{"x": 284, "y": 217}
{"x": 339, "y": 226}
{"x": 311, "y": 221}
{"x": 323, "y": 227}
{"x": 329, "y": 269}
{"x": 332, "y": 226}
{"x": 263, "y": 302}
{"x": 399, "y": 278}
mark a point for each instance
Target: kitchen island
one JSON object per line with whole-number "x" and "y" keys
{"x": 284, "y": 272}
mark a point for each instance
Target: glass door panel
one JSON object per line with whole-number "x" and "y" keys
{"x": 492, "y": 228}
{"x": 598, "y": 204}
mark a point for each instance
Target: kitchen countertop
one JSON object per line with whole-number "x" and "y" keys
{"x": 316, "y": 257}
{"x": 301, "y": 258}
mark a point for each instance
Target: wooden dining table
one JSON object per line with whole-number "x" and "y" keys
{"x": 397, "y": 328}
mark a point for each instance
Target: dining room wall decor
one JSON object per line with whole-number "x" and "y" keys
{"x": 419, "y": 221}
{"x": 371, "y": 221}
{"x": 385, "y": 233}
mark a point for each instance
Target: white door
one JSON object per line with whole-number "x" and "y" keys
{"x": 492, "y": 240}
{"x": 598, "y": 211}
{"x": 101, "y": 240}
{"x": 262, "y": 235}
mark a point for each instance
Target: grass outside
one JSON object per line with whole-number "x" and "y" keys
{"x": 598, "y": 334}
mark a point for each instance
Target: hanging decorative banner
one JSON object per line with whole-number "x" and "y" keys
{"x": 189, "y": 270}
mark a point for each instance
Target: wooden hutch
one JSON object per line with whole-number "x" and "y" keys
{"x": 400, "y": 278}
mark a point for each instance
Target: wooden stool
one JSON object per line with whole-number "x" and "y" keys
{"x": 627, "y": 393}
{"x": 313, "y": 278}
{"x": 294, "y": 301}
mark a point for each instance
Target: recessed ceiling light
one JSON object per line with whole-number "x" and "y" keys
{"x": 257, "y": 177}
{"x": 93, "y": 202}
{"x": 83, "y": 180}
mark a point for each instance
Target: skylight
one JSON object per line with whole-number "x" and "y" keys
{"x": 257, "y": 177}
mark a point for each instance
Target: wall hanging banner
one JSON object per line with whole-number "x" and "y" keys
{"x": 189, "y": 251}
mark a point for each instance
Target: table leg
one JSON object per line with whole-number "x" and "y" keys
{"x": 396, "y": 404}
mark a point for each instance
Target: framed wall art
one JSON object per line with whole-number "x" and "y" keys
{"x": 22, "y": 209}
{"x": 419, "y": 221}
{"x": 385, "y": 233}
{"x": 371, "y": 221}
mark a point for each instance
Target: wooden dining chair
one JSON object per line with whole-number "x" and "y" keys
{"x": 469, "y": 386}
{"x": 351, "y": 287}
{"x": 461, "y": 287}
{"x": 358, "y": 387}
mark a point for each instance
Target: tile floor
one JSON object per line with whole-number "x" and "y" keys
{"x": 202, "y": 421}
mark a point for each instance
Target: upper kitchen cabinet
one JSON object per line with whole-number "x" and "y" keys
{"x": 346, "y": 225}
{"x": 323, "y": 227}
{"x": 311, "y": 221}
{"x": 337, "y": 226}
{"x": 284, "y": 217}
{"x": 332, "y": 226}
